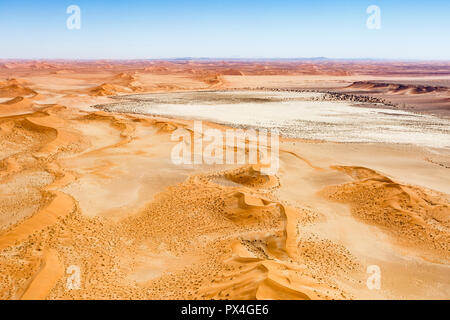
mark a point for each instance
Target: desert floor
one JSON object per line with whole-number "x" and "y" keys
{"x": 95, "y": 191}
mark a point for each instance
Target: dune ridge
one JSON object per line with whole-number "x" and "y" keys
{"x": 60, "y": 206}
{"x": 12, "y": 88}
{"x": 51, "y": 271}
{"x": 17, "y": 105}
{"x": 417, "y": 215}
{"x": 397, "y": 88}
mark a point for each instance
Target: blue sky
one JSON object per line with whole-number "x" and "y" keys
{"x": 234, "y": 29}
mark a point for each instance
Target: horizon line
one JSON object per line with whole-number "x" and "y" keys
{"x": 230, "y": 59}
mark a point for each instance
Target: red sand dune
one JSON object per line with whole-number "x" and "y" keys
{"x": 12, "y": 88}
{"x": 396, "y": 88}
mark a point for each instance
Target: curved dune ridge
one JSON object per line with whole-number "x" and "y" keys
{"x": 16, "y": 105}
{"x": 44, "y": 281}
{"x": 251, "y": 176}
{"x": 61, "y": 205}
{"x": 108, "y": 89}
{"x": 394, "y": 88}
{"x": 120, "y": 83}
{"x": 413, "y": 214}
{"x": 128, "y": 80}
{"x": 12, "y": 88}
{"x": 214, "y": 80}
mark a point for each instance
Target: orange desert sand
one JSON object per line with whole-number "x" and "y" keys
{"x": 98, "y": 190}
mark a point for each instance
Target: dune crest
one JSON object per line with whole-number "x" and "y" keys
{"x": 17, "y": 105}
{"x": 413, "y": 214}
{"x": 108, "y": 89}
{"x": 60, "y": 206}
{"x": 13, "y": 88}
{"x": 397, "y": 88}
{"x": 44, "y": 281}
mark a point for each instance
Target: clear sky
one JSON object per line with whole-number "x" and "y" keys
{"x": 234, "y": 29}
